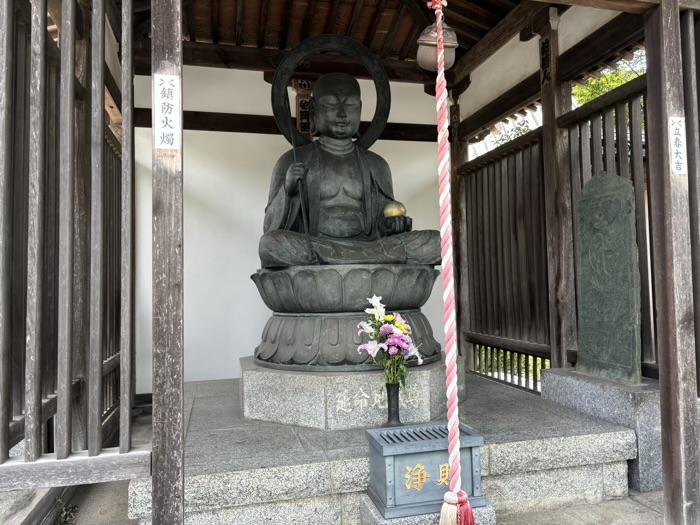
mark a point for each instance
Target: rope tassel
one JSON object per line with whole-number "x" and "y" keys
{"x": 456, "y": 510}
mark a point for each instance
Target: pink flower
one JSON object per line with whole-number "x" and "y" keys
{"x": 400, "y": 340}
{"x": 372, "y": 347}
{"x": 387, "y": 329}
{"x": 413, "y": 351}
{"x": 393, "y": 350}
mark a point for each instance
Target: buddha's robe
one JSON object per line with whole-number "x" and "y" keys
{"x": 345, "y": 198}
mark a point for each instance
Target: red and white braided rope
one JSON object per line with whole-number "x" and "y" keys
{"x": 448, "y": 294}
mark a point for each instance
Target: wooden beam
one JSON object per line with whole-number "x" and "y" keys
{"x": 621, "y": 32}
{"x": 533, "y": 30}
{"x": 114, "y": 90}
{"x": 671, "y": 240}
{"x": 255, "y": 59}
{"x": 556, "y": 100}
{"x": 418, "y": 13}
{"x": 518, "y": 19}
{"x": 503, "y": 150}
{"x": 520, "y": 95}
{"x": 266, "y": 125}
{"x": 54, "y": 8}
{"x": 114, "y": 19}
{"x": 77, "y": 469}
{"x": 168, "y": 273}
{"x": 628, "y": 6}
{"x": 516, "y": 345}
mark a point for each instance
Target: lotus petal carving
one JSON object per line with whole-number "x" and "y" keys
{"x": 344, "y": 288}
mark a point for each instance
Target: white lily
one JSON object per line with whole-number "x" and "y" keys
{"x": 365, "y": 328}
{"x": 377, "y": 311}
{"x": 375, "y": 301}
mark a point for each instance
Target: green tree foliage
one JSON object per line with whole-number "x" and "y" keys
{"x": 609, "y": 79}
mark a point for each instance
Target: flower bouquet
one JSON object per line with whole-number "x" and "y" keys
{"x": 390, "y": 344}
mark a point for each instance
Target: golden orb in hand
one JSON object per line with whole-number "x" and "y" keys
{"x": 394, "y": 209}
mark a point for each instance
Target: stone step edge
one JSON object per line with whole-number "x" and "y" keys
{"x": 332, "y": 510}
{"x": 333, "y": 477}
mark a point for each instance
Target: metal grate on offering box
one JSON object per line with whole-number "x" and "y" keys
{"x": 409, "y": 469}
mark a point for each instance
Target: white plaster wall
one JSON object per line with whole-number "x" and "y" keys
{"x": 518, "y": 60}
{"x": 226, "y": 179}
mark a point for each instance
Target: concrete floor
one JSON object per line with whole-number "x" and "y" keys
{"x": 638, "y": 509}
{"x": 106, "y": 504}
{"x": 103, "y": 504}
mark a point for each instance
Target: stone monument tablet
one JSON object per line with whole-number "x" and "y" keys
{"x": 608, "y": 282}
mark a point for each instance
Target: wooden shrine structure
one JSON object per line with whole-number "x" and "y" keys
{"x": 67, "y": 193}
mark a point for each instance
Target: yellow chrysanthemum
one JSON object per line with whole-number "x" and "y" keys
{"x": 401, "y": 327}
{"x": 389, "y": 318}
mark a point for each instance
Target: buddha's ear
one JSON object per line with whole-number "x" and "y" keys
{"x": 312, "y": 108}
{"x": 357, "y": 134}
{"x": 312, "y": 115}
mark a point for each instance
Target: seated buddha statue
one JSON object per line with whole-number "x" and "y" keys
{"x": 332, "y": 201}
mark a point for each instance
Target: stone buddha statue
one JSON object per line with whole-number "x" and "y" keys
{"x": 347, "y": 191}
{"x": 334, "y": 236}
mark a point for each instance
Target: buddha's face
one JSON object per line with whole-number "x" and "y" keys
{"x": 337, "y": 106}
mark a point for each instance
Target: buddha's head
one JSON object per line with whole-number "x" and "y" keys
{"x": 336, "y": 106}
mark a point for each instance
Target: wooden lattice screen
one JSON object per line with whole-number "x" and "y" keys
{"x": 66, "y": 187}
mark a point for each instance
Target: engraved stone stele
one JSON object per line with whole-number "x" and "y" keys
{"x": 607, "y": 281}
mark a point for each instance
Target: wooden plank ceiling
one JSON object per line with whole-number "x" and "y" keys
{"x": 389, "y": 28}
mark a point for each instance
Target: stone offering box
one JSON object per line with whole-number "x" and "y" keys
{"x": 409, "y": 469}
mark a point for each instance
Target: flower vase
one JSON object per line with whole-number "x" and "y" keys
{"x": 392, "y": 395}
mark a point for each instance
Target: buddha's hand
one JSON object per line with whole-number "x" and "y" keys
{"x": 296, "y": 172}
{"x": 396, "y": 225}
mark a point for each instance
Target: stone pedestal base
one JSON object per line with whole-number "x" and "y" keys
{"x": 336, "y": 401}
{"x": 370, "y": 515}
{"x": 635, "y": 407}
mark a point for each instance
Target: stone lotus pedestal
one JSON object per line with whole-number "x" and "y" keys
{"x": 316, "y": 310}
{"x": 307, "y": 370}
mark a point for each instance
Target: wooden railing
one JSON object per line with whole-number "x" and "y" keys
{"x": 506, "y": 304}
{"x": 65, "y": 256}
{"x": 520, "y": 369}
{"x": 608, "y": 134}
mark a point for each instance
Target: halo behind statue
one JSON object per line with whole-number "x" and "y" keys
{"x": 280, "y": 100}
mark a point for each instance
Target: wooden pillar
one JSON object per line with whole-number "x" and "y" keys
{"x": 63, "y": 439}
{"x": 458, "y": 156}
{"x": 126, "y": 317}
{"x": 670, "y": 238}
{"x": 7, "y": 45}
{"x": 97, "y": 230}
{"x": 556, "y": 100}
{"x": 168, "y": 300}
{"x": 81, "y": 227}
{"x": 35, "y": 237}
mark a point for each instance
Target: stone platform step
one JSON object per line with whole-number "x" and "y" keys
{"x": 537, "y": 455}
